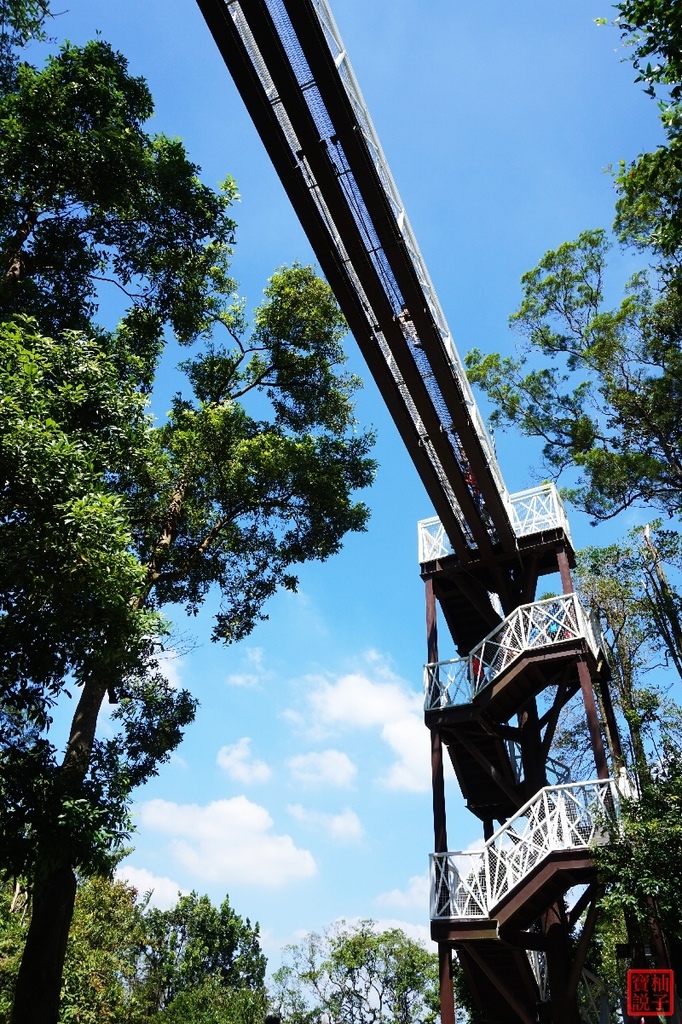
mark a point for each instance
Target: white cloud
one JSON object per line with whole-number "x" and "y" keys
{"x": 170, "y": 665}
{"x": 164, "y": 890}
{"x": 254, "y": 672}
{"x": 331, "y": 767}
{"x": 229, "y": 841}
{"x": 236, "y": 760}
{"x": 415, "y": 895}
{"x": 376, "y": 699}
{"x": 345, "y": 827}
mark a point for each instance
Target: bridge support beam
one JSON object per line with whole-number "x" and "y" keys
{"x": 447, "y": 993}
{"x": 564, "y": 1005}
{"x": 446, "y": 987}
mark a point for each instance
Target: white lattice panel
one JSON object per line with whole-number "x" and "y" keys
{"x": 571, "y": 817}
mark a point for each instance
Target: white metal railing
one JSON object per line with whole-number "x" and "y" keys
{"x": 433, "y": 541}
{"x": 530, "y": 511}
{"x": 468, "y": 885}
{"x": 392, "y": 196}
{"x": 530, "y": 627}
{"x": 537, "y": 509}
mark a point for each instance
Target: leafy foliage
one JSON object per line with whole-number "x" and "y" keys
{"x": 357, "y": 975}
{"x": 106, "y": 515}
{"x": 608, "y": 405}
{"x": 195, "y": 944}
{"x": 641, "y": 864}
{"x": 20, "y": 22}
{"x": 68, "y": 572}
{"x": 654, "y": 31}
{"x": 129, "y": 964}
{"x": 89, "y": 197}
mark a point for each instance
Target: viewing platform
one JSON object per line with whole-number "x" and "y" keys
{"x": 529, "y": 862}
{"x": 532, "y": 512}
{"x": 471, "y": 592}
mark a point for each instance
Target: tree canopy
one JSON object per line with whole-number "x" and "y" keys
{"x": 129, "y": 963}
{"x": 604, "y": 399}
{"x": 108, "y": 516}
{"x": 357, "y": 975}
{"x": 600, "y": 386}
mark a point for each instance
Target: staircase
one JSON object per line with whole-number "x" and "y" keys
{"x": 492, "y": 906}
{"x": 524, "y": 866}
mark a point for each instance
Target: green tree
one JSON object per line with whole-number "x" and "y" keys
{"x": 653, "y": 30}
{"x": 125, "y": 961}
{"x": 607, "y": 402}
{"x": 14, "y": 913}
{"x": 213, "y": 1003}
{"x": 107, "y": 517}
{"x": 101, "y": 966}
{"x": 625, "y": 586}
{"x": 356, "y": 975}
{"x": 194, "y": 951}
{"x": 20, "y": 21}
{"x": 649, "y": 207}
{"x": 641, "y": 864}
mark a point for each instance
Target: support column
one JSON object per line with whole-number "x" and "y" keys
{"x": 558, "y": 946}
{"x": 437, "y": 779}
{"x": 612, "y": 730}
{"x": 585, "y": 679}
{"x": 447, "y": 992}
{"x": 446, "y": 988}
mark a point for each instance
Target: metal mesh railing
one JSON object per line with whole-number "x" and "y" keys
{"x": 531, "y": 511}
{"x": 468, "y": 885}
{"x": 371, "y": 138}
{"x": 531, "y": 627}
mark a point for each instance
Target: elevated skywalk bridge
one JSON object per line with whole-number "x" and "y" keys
{"x": 481, "y": 556}
{"x": 290, "y": 66}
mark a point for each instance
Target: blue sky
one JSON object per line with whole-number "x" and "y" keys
{"x": 302, "y": 789}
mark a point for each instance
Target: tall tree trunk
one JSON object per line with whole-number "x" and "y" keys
{"x": 39, "y": 983}
{"x": 15, "y": 255}
{"x": 36, "y": 998}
